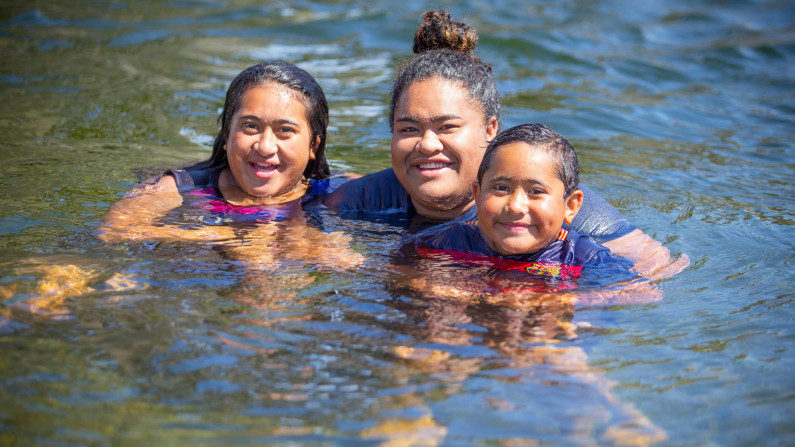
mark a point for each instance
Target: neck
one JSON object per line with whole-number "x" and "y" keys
{"x": 236, "y": 196}
{"x": 436, "y": 213}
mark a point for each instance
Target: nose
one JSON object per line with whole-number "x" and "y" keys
{"x": 267, "y": 144}
{"x": 429, "y": 143}
{"x": 517, "y": 203}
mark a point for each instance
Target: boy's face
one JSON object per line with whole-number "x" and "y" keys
{"x": 520, "y": 200}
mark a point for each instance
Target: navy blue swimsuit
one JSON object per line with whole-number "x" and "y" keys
{"x": 380, "y": 197}
{"x": 200, "y": 187}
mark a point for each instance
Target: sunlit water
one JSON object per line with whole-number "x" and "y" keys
{"x": 682, "y": 115}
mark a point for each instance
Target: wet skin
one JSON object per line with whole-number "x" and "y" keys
{"x": 521, "y": 203}
{"x": 269, "y": 142}
{"x": 438, "y": 140}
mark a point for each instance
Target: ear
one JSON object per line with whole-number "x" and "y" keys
{"x": 492, "y": 127}
{"x": 573, "y": 205}
{"x": 314, "y": 147}
{"x": 476, "y": 190}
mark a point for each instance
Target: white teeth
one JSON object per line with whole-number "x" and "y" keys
{"x": 432, "y": 165}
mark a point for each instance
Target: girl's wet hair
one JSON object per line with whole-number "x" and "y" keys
{"x": 444, "y": 49}
{"x": 538, "y": 137}
{"x": 292, "y": 77}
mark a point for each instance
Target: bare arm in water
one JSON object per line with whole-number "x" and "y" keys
{"x": 651, "y": 258}
{"x": 134, "y": 217}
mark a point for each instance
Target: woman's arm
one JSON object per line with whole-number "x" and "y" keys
{"x": 598, "y": 219}
{"x": 651, "y": 258}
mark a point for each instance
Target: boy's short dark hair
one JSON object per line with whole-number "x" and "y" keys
{"x": 542, "y": 137}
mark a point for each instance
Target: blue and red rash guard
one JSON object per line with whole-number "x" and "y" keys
{"x": 552, "y": 268}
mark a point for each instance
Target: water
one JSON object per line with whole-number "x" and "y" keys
{"x": 682, "y": 115}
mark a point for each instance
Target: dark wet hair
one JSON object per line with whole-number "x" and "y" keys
{"x": 293, "y": 78}
{"x": 444, "y": 49}
{"x": 538, "y": 136}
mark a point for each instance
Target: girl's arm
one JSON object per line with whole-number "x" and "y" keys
{"x": 134, "y": 217}
{"x": 261, "y": 247}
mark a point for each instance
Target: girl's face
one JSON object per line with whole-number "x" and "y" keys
{"x": 270, "y": 141}
{"x": 520, "y": 201}
{"x": 438, "y": 141}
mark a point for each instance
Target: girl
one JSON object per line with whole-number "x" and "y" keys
{"x": 246, "y": 200}
{"x": 268, "y": 152}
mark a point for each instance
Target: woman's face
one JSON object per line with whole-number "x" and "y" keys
{"x": 270, "y": 141}
{"x": 438, "y": 141}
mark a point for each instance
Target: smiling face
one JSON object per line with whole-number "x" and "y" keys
{"x": 438, "y": 141}
{"x": 521, "y": 204}
{"x": 270, "y": 141}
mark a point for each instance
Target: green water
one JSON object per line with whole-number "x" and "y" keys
{"x": 682, "y": 115}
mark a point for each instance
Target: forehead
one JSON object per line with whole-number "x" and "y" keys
{"x": 521, "y": 161}
{"x": 272, "y": 98}
{"x": 436, "y": 96}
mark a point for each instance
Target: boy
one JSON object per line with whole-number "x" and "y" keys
{"x": 526, "y": 189}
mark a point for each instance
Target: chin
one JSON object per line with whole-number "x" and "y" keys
{"x": 263, "y": 192}
{"x": 514, "y": 249}
{"x": 442, "y": 196}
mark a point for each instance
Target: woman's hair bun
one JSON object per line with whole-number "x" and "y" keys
{"x": 438, "y": 31}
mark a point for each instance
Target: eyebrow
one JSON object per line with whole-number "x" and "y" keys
{"x": 433, "y": 119}
{"x": 276, "y": 121}
{"x": 505, "y": 178}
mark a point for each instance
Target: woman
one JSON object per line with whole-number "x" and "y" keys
{"x": 444, "y": 111}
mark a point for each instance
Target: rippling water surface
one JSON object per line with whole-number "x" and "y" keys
{"x": 682, "y": 114}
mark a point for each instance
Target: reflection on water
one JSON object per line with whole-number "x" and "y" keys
{"x": 681, "y": 114}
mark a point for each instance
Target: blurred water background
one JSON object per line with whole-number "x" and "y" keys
{"x": 681, "y": 112}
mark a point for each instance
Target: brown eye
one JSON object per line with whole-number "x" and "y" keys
{"x": 286, "y": 130}
{"x": 250, "y": 127}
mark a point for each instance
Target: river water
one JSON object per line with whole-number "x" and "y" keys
{"x": 681, "y": 112}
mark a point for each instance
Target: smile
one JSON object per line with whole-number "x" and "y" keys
{"x": 264, "y": 170}
{"x": 263, "y": 166}
{"x": 515, "y": 227}
{"x": 435, "y": 165}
